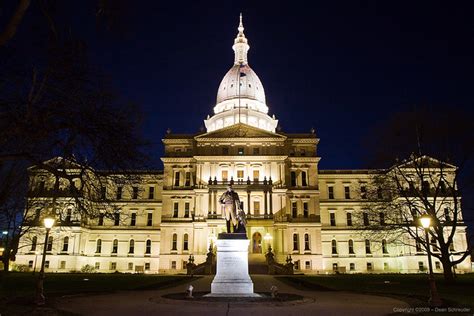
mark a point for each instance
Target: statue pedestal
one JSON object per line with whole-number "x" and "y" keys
{"x": 232, "y": 278}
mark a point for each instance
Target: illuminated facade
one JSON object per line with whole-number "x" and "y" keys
{"x": 291, "y": 205}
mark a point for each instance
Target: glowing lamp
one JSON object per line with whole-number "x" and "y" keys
{"x": 48, "y": 222}
{"x": 425, "y": 221}
{"x": 267, "y": 237}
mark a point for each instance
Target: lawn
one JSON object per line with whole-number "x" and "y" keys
{"x": 17, "y": 289}
{"x": 405, "y": 285}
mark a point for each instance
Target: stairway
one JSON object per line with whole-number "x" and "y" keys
{"x": 257, "y": 264}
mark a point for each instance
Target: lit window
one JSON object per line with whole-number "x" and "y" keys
{"x": 225, "y": 175}
{"x": 256, "y": 175}
{"x": 240, "y": 175}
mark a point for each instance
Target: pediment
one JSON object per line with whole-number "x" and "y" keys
{"x": 240, "y": 130}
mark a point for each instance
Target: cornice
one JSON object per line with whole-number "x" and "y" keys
{"x": 177, "y": 159}
{"x": 240, "y": 158}
{"x": 304, "y": 159}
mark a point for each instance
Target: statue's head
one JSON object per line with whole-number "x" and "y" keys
{"x": 229, "y": 188}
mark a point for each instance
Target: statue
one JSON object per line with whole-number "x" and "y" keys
{"x": 232, "y": 211}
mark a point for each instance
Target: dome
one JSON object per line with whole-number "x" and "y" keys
{"x": 250, "y": 85}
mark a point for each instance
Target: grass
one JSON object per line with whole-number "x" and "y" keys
{"x": 405, "y": 285}
{"x": 17, "y": 290}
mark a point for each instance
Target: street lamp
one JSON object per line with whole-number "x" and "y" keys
{"x": 434, "y": 300}
{"x": 40, "y": 300}
{"x": 36, "y": 259}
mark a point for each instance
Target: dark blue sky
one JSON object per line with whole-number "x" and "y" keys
{"x": 338, "y": 66}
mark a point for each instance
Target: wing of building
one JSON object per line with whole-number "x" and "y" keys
{"x": 160, "y": 218}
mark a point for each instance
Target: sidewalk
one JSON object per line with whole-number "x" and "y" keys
{"x": 152, "y": 302}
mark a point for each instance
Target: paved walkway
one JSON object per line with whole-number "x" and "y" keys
{"x": 152, "y": 303}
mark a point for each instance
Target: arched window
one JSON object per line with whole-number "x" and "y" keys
{"x": 65, "y": 243}
{"x": 296, "y": 243}
{"x": 257, "y": 243}
{"x": 148, "y": 246}
{"x": 333, "y": 247}
{"x": 185, "y": 242}
{"x": 34, "y": 242}
{"x": 174, "y": 244}
{"x": 351, "y": 246}
{"x": 131, "y": 248}
{"x": 384, "y": 246}
{"x": 115, "y": 246}
{"x": 306, "y": 242}
{"x": 49, "y": 246}
{"x": 98, "y": 248}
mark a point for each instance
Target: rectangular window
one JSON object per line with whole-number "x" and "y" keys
{"x": 49, "y": 246}
{"x": 174, "y": 243}
{"x": 225, "y": 150}
{"x": 332, "y": 219}
{"x": 186, "y": 209}
{"x": 418, "y": 246}
{"x": 173, "y": 265}
{"x": 382, "y": 218}
{"x": 293, "y": 178}
{"x": 294, "y": 209}
{"x": 103, "y": 193}
{"x": 240, "y": 175}
{"x": 130, "y": 266}
{"x": 347, "y": 192}
{"x": 307, "y": 265}
{"x": 306, "y": 242}
{"x": 369, "y": 266}
{"x": 297, "y": 265}
{"x": 335, "y": 267}
{"x": 256, "y": 151}
{"x": 331, "y": 192}
{"x": 62, "y": 265}
{"x": 256, "y": 207}
{"x": 367, "y": 247}
{"x": 30, "y": 264}
{"x": 133, "y": 219}
{"x": 135, "y": 193}
{"x": 385, "y": 266}
{"x": 303, "y": 179}
{"x": 113, "y": 266}
{"x": 225, "y": 175}
{"x": 421, "y": 266}
{"x": 97, "y": 265}
{"x": 256, "y": 175}
{"x": 176, "y": 178}
{"x": 175, "y": 209}
{"x": 46, "y": 264}
{"x": 240, "y": 151}
{"x": 147, "y": 266}
{"x": 296, "y": 243}
{"x": 188, "y": 179}
{"x": 101, "y": 220}
{"x": 305, "y": 209}
{"x": 366, "y": 219}
{"x": 437, "y": 265}
{"x": 446, "y": 214}
{"x": 185, "y": 242}
{"x": 349, "y": 219}
{"x": 116, "y": 219}
{"x": 363, "y": 192}
{"x": 149, "y": 219}
{"x": 352, "y": 266}
{"x": 151, "y": 193}
{"x": 119, "y": 193}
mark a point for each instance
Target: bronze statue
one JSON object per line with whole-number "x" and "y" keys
{"x": 232, "y": 211}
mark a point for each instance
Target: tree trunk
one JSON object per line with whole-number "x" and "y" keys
{"x": 6, "y": 264}
{"x": 448, "y": 271}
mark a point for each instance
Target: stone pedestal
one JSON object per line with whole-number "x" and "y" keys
{"x": 232, "y": 277}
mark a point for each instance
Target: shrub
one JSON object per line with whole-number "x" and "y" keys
{"x": 87, "y": 269}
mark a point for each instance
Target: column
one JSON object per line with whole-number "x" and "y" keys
{"x": 266, "y": 202}
{"x": 209, "y": 204}
{"x": 271, "y": 202}
{"x": 248, "y": 202}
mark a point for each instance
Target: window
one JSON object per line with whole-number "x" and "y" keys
{"x": 225, "y": 175}
{"x": 240, "y": 150}
{"x": 256, "y": 207}
{"x": 297, "y": 265}
{"x": 151, "y": 193}
{"x": 119, "y": 193}
{"x": 149, "y": 219}
{"x": 133, "y": 219}
{"x": 98, "y": 246}
{"x": 185, "y": 242}
{"x": 148, "y": 246}
{"x": 256, "y": 151}
{"x": 187, "y": 181}
{"x": 46, "y": 264}
{"x": 437, "y": 265}
{"x": 117, "y": 218}
{"x": 256, "y": 175}
{"x": 366, "y": 219}
{"x": 113, "y": 266}
{"x": 175, "y": 210}
{"x": 369, "y": 266}
{"x": 385, "y": 266}
{"x": 305, "y": 210}
{"x": 332, "y": 218}
{"x": 240, "y": 175}
{"x": 303, "y": 179}
{"x": 130, "y": 266}
{"x": 62, "y": 265}
{"x": 225, "y": 150}
{"x": 421, "y": 266}
{"x": 97, "y": 265}
{"x": 334, "y": 247}
{"x": 115, "y": 246}
{"x": 425, "y": 187}
{"x": 363, "y": 192}
{"x": 176, "y": 179}
{"x": 34, "y": 242}
{"x": 101, "y": 220}
{"x": 65, "y": 243}
{"x": 30, "y": 264}
{"x": 296, "y": 245}
{"x": 294, "y": 209}
{"x": 147, "y": 266}
{"x": 186, "y": 209}
{"x": 174, "y": 243}
{"x": 131, "y": 248}
{"x": 349, "y": 218}
{"x": 293, "y": 178}
{"x": 384, "y": 246}
{"x": 351, "y": 247}
{"x": 306, "y": 242}
{"x": 352, "y": 266}
{"x": 68, "y": 216}
{"x": 49, "y": 246}
{"x": 434, "y": 244}
{"x": 451, "y": 246}
{"x": 367, "y": 247}
{"x": 446, "y": 214}
{"x": 335, "y": 267}
{"x": 418, "y": 246}
{"x": 302, "y": 152}
{"x": 307, "y": 265}
{"x": 173, "y": 265}
{"x": 134, "y": 193}
{"x": 382, "y": 218}
{"x": 331, "y": 192}
{"x": 379, "y": 193}
{"x": 347, "y": 192}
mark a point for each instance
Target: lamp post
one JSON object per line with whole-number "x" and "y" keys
{"x": 36, "y": 259}
{"x": 40, "y": 300}
{"x": 434, "y": 300}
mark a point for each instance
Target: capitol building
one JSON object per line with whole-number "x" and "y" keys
{"x": 168, "y": 215}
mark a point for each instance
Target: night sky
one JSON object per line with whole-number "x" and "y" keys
{"x": 340, "y": 67}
